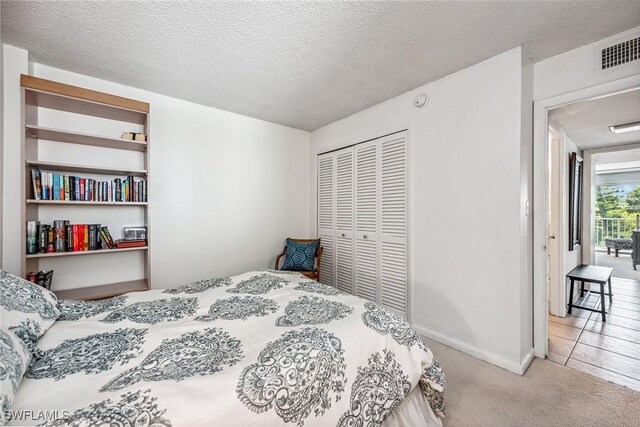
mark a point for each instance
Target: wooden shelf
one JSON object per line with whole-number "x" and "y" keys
{"x": 98, "y": 170}
{"x": 73, "y": 99}
{"x": 103, "y": 291}
{"x": 73, "y": 137}
{"x": 77, "y": 253}
{"x": 83, "y": 203}
{"x": 40, "y": 95}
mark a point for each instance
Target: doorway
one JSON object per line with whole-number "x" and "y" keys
{"x": 610, "y": 187}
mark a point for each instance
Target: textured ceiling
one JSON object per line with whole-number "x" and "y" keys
{"x": 587, "y": 122}
{"x": 300, "y": 64}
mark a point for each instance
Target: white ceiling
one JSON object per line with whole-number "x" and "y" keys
{"x": 587, "y": 122}
{"x": 607, "y": 167}
{"x": 627, "y": 159}
{"x": 301, "y": 64}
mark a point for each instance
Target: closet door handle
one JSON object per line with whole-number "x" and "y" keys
{"x": 342, "y": 234}
{"x": 364, "y": 237}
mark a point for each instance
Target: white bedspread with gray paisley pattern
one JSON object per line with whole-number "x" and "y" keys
{"x": 260, "y": 348}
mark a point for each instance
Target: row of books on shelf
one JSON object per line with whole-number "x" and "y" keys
{"x": 61, "y": 236}
{"x": 51, "y": 186}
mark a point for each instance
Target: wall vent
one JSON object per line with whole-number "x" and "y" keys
{"x": 621, "y": 53}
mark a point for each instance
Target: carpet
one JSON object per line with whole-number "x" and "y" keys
{"x": 481, "y": 394}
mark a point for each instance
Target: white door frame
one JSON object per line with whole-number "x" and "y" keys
{"x": 557, "y": 222}
{"x": 540, "y": 210}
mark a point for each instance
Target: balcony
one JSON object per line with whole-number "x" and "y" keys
{"x": 615, "y": 228}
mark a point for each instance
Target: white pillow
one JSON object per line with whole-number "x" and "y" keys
{"x": 28, "y": 310}
{"x": 14, "y": 360}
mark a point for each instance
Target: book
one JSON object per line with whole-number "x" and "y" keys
{"x": 85, "y": 237}
{"x": 121, "y": 244}
{"x": 106, "y": 237}
{"x": 37, "y": 186}
{"x": 32, "y": 236}
{"x": 50, "y": 186}
{"x": 76, "y": 237}
{"x": 50, "y": 179}
{"x": 92, "y": 237}
{"x": 56, "y": 187}
{"x": 59, "y": 235}
{"x": 44, "y": 278}
{"x": 50, "y": 246}
{"x": 81, "y": 188}
{"x": 69, "y": 236}
{"x": 45, "y": 183}
{"x": 43, "y": 238}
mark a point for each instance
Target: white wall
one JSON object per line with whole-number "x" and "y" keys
{"x": 225, "y": 189}
{"x": 469, "y": 166}
{"x": 15, "y": 62}
{"x": 577, "y": 69}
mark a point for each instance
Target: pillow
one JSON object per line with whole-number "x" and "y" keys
{"x": 28, "y": 310}
{"x": 14, "y": 360}
{"x": 300, "y": 256}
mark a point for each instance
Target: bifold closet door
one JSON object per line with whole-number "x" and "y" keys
{"x": 366, "y": 219}
{"x": 393, "y": 227}
{"x": 326, "y": 216}
{"x": 362, "y": 220}
{"x": 344, "y": 220}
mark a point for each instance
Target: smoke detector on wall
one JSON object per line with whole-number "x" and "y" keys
{"x": 420, "y": 100}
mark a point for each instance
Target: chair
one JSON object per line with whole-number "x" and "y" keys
{"x": 312, "y": 274}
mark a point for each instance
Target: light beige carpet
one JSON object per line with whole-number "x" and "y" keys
{"x": 480, "y": 394}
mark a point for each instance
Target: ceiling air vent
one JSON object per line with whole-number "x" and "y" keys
{"x": 621, "y": 53}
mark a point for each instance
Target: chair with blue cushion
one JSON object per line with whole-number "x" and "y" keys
{"x": 302, "y": 256}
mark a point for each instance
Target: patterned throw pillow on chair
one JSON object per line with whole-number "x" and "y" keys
{"x": 300, "y": 256}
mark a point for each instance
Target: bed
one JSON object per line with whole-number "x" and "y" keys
{"x": 261, "y": 348}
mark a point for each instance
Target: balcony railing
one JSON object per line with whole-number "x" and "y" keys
{"x": 617, "y": 228}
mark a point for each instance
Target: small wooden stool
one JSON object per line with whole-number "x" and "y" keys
{"x": 591, "y": 274}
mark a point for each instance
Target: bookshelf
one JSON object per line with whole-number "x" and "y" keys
{"x": 46, "y": 98}
{"x": 94, "y": 252}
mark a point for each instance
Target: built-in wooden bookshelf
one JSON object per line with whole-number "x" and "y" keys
{"x": 83, "y": 202}
{"x": 95, "y": 252}
{"x": 98, "y": 170}
{"x": 84, "y": 138}
{"x": 40, "y": 93}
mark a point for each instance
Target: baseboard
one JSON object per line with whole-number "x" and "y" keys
{"x": 527, "y": 361}
{"x": 494, "y": 359}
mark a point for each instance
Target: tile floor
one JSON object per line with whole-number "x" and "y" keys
{"x": 608, "y": 350}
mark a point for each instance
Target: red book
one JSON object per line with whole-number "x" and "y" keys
{"x": 76, "y": 236}
{"x": 120, "y": 244}
{"x": 85, "y": 238}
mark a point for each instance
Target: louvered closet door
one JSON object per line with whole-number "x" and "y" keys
{"x": 326, "y": 216}
{"x": 344, "y": 220}
{"x": 393, "y": 237}
{"x": 366, "y": 200}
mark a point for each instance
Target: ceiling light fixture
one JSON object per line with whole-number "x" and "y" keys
{"x": 627, "y": 127}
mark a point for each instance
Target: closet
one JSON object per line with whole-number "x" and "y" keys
{"x": 362, "y": 220}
